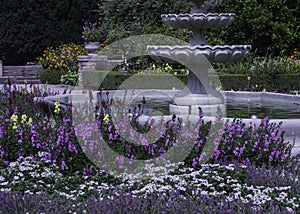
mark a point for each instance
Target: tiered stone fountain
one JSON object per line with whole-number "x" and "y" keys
{"x": 197, "y": 56}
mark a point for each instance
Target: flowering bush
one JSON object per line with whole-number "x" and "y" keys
{"x": 294, "y": 55}
{"x": 263, "y": 144}
{"x": 59, "y": 61}
{"x": 61, "y": 57}
{"x": 26, "y": 131}
{"x": 91, "y": 32}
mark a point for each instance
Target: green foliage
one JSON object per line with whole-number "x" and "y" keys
{"x": 60, "y": 64}
{"x": 28, "y": 27}
{"x": 70, "y": 78}
{"x": 123, "y": 18}
{"x": 276, "y": 83}
{"x": 269, "y": 26}
{"x": 51, "y": 76}
{"x": 267, "y": 65}
{"x": 114, "y": 80}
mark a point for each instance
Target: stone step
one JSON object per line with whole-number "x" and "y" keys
{"x": 19, "y": 79}
{"x": 28, "y": 70}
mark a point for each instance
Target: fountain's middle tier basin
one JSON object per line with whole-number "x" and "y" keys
{"x": 195, "y": 54}
{"x": 198, "y": 20}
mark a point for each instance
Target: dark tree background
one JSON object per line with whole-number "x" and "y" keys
{"x": 27, "y": 27}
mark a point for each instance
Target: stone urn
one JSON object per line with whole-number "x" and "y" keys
{"x": 91, "y": 47}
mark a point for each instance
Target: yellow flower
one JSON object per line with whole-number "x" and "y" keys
{"x": 14, "y": 118}
{"x": 106, "y": 118}
{"x": 23, "y": 118}
{"x": 57, "y": 107}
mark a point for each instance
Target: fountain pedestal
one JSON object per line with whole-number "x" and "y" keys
{"x": 197, "y": 56}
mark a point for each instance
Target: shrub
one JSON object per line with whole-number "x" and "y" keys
{"x": 51, "y": 76}
{"x": 114, "y": 80}
{"x": 61, "y": 57}
{"x": 269, "y": 26}
{"x": 267, "y": 65}
{"x": 282, "y": 83}
{"x": 121, "y": 19}
{"x": 70, "y": 78}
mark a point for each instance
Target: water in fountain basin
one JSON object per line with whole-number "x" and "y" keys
{"x": 261, "y": 109}
{"x": 238, "y": 109}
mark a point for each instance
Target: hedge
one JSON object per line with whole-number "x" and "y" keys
{"x": 117, "y": 80}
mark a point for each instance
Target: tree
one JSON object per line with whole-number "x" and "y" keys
{"x": 124, "y": 18}
{"x": 269, "y": 26}
{"x": 27, "y": 27}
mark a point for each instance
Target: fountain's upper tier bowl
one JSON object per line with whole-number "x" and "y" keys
{"x": 198, "y": 20}
{"x": 194, "y": 54}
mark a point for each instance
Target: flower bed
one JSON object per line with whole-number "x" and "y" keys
{"x": 42, "y": 161}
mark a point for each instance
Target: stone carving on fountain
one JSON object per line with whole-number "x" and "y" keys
{"x": 198, "y": 56}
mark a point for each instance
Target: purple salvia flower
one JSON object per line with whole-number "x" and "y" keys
{"x": 63, "y": 165}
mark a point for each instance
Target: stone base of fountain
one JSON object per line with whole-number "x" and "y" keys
{"x": 208, "y": 110}
{"x": 190, "y": 104}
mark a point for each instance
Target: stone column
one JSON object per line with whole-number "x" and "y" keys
{"x": 1, "y": 69}
{"x": 90, "y": 62}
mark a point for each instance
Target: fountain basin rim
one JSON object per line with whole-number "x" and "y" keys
{"x": 199, "y": 15}
{"x": 157, "y": 94}
{"x": 201, "y": 47}
{"x": 193, "y": 54}
{"x": 198, "y": 20}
